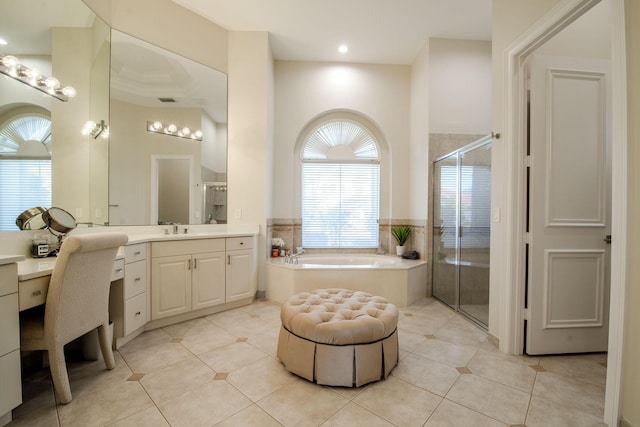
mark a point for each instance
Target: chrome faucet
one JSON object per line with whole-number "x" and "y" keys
{"x": 175, "y": 228}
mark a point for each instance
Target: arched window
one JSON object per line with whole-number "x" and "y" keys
{"x": 25, "y": 165}
{"x": 340, "y": 186}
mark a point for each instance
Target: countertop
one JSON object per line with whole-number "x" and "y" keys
{"x": 8, "y": 259}
{"x": 31, "y": 268}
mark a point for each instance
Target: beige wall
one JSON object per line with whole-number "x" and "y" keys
{"x": 250, "y": 131}
{"x": 131, "y": 149}
{"x": 630, "y": 409}
{"x": 380, "y": 93}
{"x": 419, "y": 137}
{"x": 459, "y": 86}
{"x": 71, "y": 61}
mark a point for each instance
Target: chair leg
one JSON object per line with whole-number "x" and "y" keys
{"x": 105, "y": 345}
{"x": 57, "y": 364}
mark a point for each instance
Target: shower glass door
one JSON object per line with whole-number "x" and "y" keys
{"x": 461, "y": 230}
{"x": 445, "y": 227}
{"x": 474, "y": 232}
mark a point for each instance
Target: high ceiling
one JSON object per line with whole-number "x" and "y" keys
{"x": 376, "y": 31}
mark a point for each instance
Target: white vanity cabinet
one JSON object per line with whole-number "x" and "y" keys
{"x": 186, "y": 275}
{"x": 128, "y": 300}
{"x": 11, "y": 390}
{"x": 239, "y": 271}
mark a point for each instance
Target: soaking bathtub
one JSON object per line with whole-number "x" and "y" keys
{"x": 402, "y": 282}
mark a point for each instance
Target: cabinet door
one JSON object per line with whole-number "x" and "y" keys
{"x": 239, "y": 280}
{"x": 208, "y": 286}
{"x": 170, "y": 286}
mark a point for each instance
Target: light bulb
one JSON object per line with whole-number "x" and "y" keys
{"x": 52, "y": 83}
{"x": 69, "y": 91}
{"x": 10, "y": 61}
{"x": 156, "y": 125}
{"x": 198, "y": 134}
{"x": 172, "y": 128}
{"x": 88, "y": 127}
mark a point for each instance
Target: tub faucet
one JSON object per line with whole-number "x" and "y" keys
{"x": 300, "y": 251}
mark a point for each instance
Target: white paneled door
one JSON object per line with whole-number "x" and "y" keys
{"x": 569, "y": 206}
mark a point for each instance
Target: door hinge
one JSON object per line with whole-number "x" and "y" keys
{"x": 525, "y": 314}
{"x": 527, "y": 161}
{"x": 527, "y": 238}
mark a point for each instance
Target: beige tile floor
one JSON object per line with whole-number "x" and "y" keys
{"x": 222, "y": 370}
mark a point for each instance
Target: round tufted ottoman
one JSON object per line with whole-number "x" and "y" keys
{"x": 338, "y": 337}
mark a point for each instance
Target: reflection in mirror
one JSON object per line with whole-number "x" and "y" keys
{"x": 151, "y": 84}
{"x": 40, "y": 135}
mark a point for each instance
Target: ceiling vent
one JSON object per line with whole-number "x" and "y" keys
{"x": 166, "y": 100}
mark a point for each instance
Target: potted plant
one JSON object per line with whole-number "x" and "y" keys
{"x": 401, "y": 233}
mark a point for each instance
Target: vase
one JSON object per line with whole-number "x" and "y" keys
{"x": 400, "y": 250}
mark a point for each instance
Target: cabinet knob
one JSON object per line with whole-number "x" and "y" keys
{"x": 119, "y": 270}
{"x": 137, "y": 279}
{"x": 137, "y": 253}
{"x": 138, "y": 313}
{"x": 36, "y": 293}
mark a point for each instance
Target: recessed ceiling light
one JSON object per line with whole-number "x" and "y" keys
{"x": 343, "y": 48}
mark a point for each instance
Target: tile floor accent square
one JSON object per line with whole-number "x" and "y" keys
{"x": 135, "y": 377}
{"x": 463, "y": 370}
{"x": 537, "y": 368}
{"x": 221, "y": 376}
{"x": 176, "y": 340}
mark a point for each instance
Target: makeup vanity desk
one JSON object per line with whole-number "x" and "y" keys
{"x": 160, "y": 279}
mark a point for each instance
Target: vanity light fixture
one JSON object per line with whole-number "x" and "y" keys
{"x": 10, "y": 66}
{"x": 173, "y": 130}
{"x": 95, "y": 130}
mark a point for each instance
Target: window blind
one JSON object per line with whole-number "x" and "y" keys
{"x": 24, "y": 184}
{"x": 340, "y": 205}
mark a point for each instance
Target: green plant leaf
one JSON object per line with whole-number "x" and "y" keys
{"x": 401, "y": 233}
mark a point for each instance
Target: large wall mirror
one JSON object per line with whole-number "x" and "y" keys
{"x": 159, "y": 174}
{"x": 44, "y": 158}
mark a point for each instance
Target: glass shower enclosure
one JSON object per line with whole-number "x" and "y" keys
{"x": 214, "y": 202}
{"x": 461, "y": 229}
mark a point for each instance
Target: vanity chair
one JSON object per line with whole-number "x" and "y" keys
{"x": 77, "y": 302}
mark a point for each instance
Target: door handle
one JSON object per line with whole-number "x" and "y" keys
{"x": 607, "y": 239}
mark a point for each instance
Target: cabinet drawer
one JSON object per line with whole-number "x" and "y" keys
{"x": 182, "y": 247}
{"x": 11, "y": 390}
{"x": 135, "y": 279}
{"x": 33, "y": 292}
{"x": 9, "y": 324}
{"x": 118, "y": 270}
{"x": 133, "y": 253}
{"x": 8, "y": 279}
{"x": 135, "y": 313}
{"x": 235, "y": 243}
